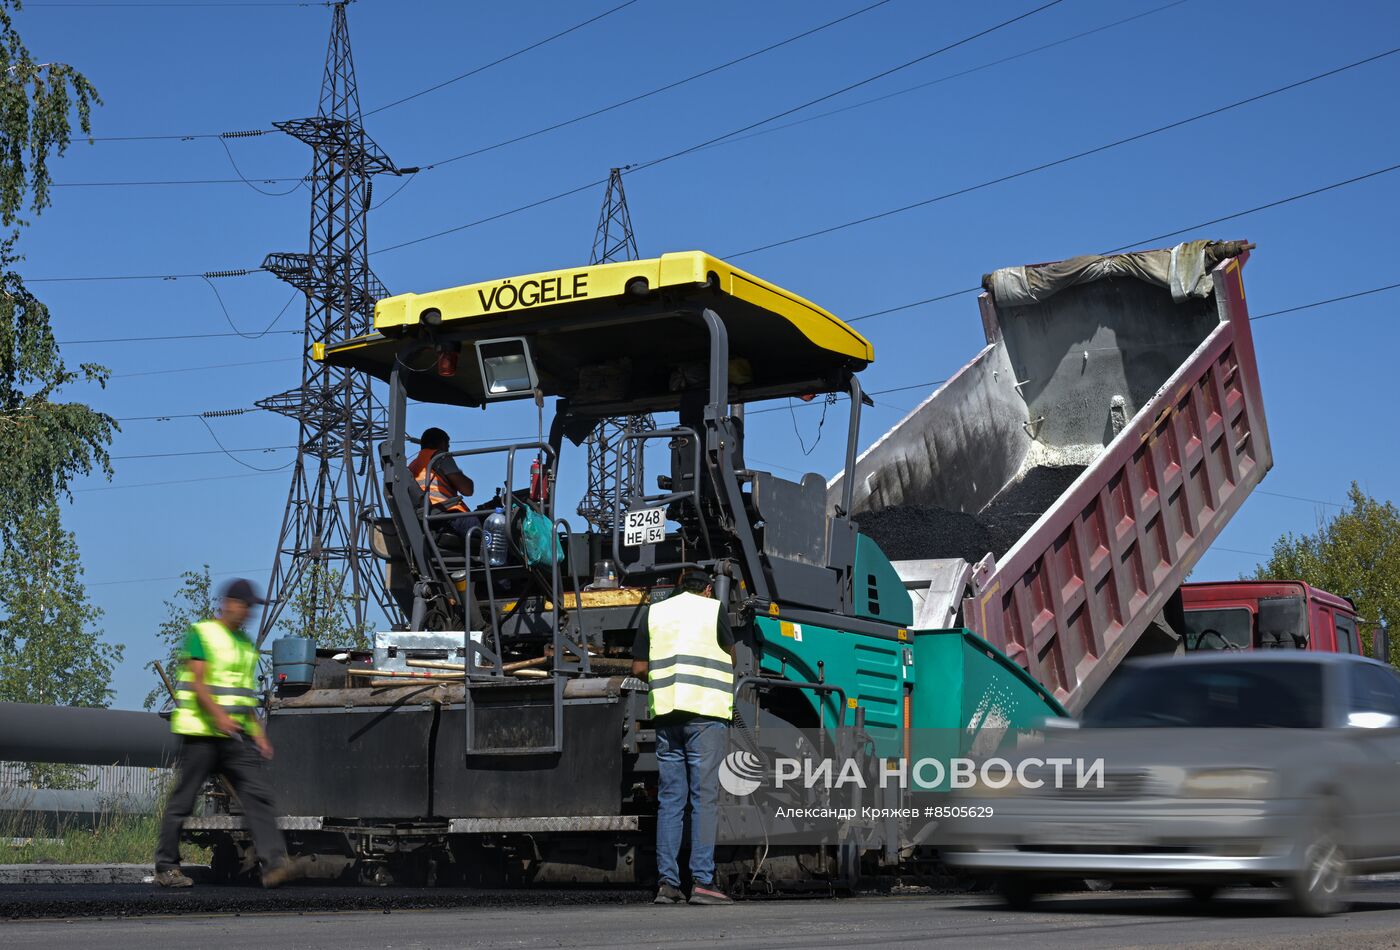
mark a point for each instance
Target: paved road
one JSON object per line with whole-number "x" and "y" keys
{"x": 1133, "y": 919}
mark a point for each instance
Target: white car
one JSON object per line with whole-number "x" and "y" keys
{"x": 1219, "y": 770}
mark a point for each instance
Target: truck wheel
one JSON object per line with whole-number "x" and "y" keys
{"x": 1319, "y": 887}
{"x": 1019, "y": 892}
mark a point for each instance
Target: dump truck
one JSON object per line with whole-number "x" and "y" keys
{"x": 500, "y": 736}
{"x": 1055, "y": 493}
{"x": 1273, "y": 614}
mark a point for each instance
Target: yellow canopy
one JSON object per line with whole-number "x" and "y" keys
{"x": 611, "y": 334}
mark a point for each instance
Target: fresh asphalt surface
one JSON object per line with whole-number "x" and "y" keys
{"x": 59, "y": 917}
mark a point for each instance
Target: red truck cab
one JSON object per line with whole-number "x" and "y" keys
{"x": 1248, "y": 615}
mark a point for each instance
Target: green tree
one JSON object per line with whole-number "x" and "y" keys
{"x": 45, "y": 443}
{"x": 1355, "y": 553}
{"x": 318, "y": 608}
{"x": 193, "y": 602}
{"x": 51, "y": 649}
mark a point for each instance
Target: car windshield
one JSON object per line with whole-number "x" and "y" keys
{"x": 1241, "y": 695}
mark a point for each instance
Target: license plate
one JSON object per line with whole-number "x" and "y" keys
{"x": 647, "y": 526}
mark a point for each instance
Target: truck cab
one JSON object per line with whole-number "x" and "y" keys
{"x": 1253, "y": 615}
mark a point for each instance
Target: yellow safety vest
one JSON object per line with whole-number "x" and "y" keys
{"x": 686, "y": 667}
{"x": 230, "y": 672}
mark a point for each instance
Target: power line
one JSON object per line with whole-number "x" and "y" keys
{"x": 229, "y": 317}
{"x": 495, "y": 217}
{"x": 226, "y": 135}
{"x": 950, "y": 76}
{"x": 509, "y": 56}
{"x": 1279, "y": 202}
{"x": 1066, "y": 159}
{"x": 175, "y": 481}
{"x": 752, "y": 412}
{"x": 733, "y": 138}
{"x": 1261, "y": 316}
{"x": 1216, "y": 547}
{"x": 633, "y": 99}
{"x": 1024, "y": 172}
{"x": 873, "y": 392}
{"x": 187, "y": 137}
{"x": 1321, "y": 303}
{"x": 178, "y": 4}
{"x": 659, "y": 89}
{"x": 174, "y": 577}
{"x": 209, "y": 414}
{"x": 1264, "y": 207}
{"x": 1312, "y": 501}
{"x": 1194, "y": 227}
{"x": 176, "y": 336}
{"x": 191, "y": 369}
{"x": 179, "y": 181}
{"x": 230, "y": 452}
{"x": 686, "y": 151}
{"x": 206, "y": 275}
{"x": 169, "y": 455}
{"x": 629, "y": 101}
{"x": 855, "y": 85}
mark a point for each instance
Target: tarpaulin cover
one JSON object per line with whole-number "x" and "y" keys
{"x": 1184, "y": 270}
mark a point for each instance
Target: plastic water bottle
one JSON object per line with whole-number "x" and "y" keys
{"x": 495, "y": 538}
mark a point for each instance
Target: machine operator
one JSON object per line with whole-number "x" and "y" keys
{"x": 444, "y": 484}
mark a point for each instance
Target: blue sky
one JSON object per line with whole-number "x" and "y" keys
{"x": 186, "y": 70}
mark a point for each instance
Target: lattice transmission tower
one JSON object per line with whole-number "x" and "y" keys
{"x": 323, "y": 558}
{"x": 613, "y": 241}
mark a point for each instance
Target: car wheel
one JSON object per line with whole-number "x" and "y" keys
{"x": 1203, "y": 893}
{"x": 1319, "y": 887}
{"x": 1018, "y": 892}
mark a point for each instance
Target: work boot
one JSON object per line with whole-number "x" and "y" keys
{"x": 288, "y": 869}
{"x": 668, "y": 894}
{"x": 709, "y": 894}
{"x": 173, "y": 877}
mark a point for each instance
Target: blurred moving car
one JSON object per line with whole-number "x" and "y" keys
{"x": 1219, "y": 769}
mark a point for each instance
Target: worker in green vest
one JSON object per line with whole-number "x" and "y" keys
{"x": 685, "y": 648}
{"x": 216, "y": 701}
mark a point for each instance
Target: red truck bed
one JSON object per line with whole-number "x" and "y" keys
{"x": 1155, "y": 392}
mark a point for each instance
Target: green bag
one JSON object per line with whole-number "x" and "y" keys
{"x": 541, "y": 544}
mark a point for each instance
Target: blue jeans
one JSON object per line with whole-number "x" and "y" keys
{"x": 688, "y": 755}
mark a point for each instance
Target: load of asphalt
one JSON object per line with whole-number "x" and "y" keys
{"x": 916, "y": 532}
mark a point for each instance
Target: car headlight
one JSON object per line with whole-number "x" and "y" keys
{"x": 1227, "y": 783}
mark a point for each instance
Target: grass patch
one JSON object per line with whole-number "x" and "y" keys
{"x": 109, "y": 837}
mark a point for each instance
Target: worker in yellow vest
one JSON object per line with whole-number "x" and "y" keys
{"x": 685, "y": 648}
{"x": 215, "y": 715}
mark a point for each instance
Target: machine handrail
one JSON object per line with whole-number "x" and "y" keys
{"x": 471, "y": 649}
{"x": 563, "y": 642}
{"x": 665, "y": 498}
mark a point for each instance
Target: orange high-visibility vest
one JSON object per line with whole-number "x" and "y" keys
{"x": 440, "y": 494}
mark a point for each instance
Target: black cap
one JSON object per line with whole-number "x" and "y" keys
{"x": 241, "y": 589}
